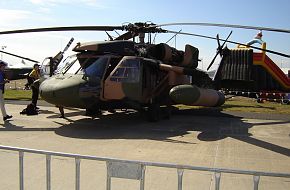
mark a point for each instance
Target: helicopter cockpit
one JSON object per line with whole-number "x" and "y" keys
{"x": 69, "y": 65}
{"x": 90, "y": 66}
{"x": 97, "y": 68}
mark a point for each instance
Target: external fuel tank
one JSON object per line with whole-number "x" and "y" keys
{"x": 195, "y": 96}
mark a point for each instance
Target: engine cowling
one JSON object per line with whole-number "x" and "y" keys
{"x": 167, "y": 54}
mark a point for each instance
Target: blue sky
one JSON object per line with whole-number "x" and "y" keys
{"x": 21, "y": 14}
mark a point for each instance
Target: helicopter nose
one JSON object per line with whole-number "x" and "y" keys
{"x": 62, "y": 91}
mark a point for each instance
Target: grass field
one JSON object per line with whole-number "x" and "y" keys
{"x": 232, "y": 104}
{"x": 251, "y": 105}
{"x": 17, "y": 94}
{"x": 244, "y": 104}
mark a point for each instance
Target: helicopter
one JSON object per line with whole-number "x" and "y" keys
{"x": 125, "y": 74}
{"x": 20, "y": 70}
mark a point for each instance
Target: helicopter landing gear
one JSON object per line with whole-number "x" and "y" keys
{"x": 93, "y": 112}
{"x": 156, "y": 113}
{"x": 153, "y": 112}
{"x": 168, "y": 112}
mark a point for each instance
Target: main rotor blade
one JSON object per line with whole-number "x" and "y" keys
{"x": 126, "y": 36}
{"x": 225, "y": 41}
{"x": 227, "y": 26}
{"x": 19, "y": 56}
{"x": 68, "y": 45}
{"x": 218, "y": 41}
{"x": 65, "y": 28}
{"x": 212, "y": 61}
{"x": 232, "y": 42}
{"x": 219, "y": 49}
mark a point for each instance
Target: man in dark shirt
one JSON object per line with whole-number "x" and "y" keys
{"x": 2, "y": 87}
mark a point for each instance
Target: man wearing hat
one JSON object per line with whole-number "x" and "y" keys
{"x": 2, "y": 85}
{"x": 35, "y": 75}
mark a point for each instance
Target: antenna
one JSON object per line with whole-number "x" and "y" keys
{"x": 173, "y": 36}
{"x": 2, "y": 48}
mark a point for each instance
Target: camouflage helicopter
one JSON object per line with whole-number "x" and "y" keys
{"x": 124, "y": 74}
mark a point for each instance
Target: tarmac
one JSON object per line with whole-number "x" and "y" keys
{"x": 233, "y": 140}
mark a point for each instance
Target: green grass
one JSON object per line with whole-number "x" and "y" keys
{"x": 233, "y": 104}
{"x": 17, "y": 94}
{"x": 243, "y": 104}
{"x": 250, "y": 105}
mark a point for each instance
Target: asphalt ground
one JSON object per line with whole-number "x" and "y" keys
{"x": 206, "y": 138}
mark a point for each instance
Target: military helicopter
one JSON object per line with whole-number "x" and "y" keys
{"x": 20, "y": 70}
{"x": 124, "y": 74}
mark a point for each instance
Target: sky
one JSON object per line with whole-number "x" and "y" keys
{"x": 23, "y": 14}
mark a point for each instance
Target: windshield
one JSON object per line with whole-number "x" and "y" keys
{"x": 97, "y": 68}
{"x": 70, "y": 65}
{"x": 45, "y": 67}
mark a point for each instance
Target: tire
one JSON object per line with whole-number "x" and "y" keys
{"x": 284, "y": 102}
{"x": 153, "y": 112}
{"x": 168, "y": 112}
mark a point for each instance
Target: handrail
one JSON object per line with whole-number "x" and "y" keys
{"x": 256, "y": 174}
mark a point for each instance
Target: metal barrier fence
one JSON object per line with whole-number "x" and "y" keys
{"x": 129, "y": 169}
{"x": 282, "y": 97}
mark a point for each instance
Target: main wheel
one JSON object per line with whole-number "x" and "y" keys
{"x": 168, "y": 112}
{"x": 153, "y": 112}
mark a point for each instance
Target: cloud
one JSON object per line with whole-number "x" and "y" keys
{"x": 9, "y": 16}
{"x": 46, "y": 2}
{"x": 44, "y": 10}
{"x": 91, "y": 3}
{"x": 41, "y": 11}
{"x": 35, "y": 46}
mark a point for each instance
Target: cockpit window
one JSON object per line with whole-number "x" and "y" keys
{"x": 127, "y": 71}
{"x": 69, "y": 65}
{"x": 45, "y": 67}
{"x": 74, "y": 68}
{"x": 97, "y": 68}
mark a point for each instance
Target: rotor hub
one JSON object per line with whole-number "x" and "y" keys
{"x": 143, "y": 27}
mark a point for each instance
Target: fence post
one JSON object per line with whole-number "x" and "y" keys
{"x": 21, "y": 168}
{"x": 78, "y": 165}
{"x": 142, "y": 180}
{"x": 48, "y": 174}
{"x": 180, "y": 176}
{"x": 108, "y": 177}
{"x": 256, "y": 180}
{"x": 217, "y": 180}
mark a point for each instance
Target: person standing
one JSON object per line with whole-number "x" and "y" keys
{"x": 61, "y": 110}
{"x": 2, "y": 88}
{"x": 35, "y": 75}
